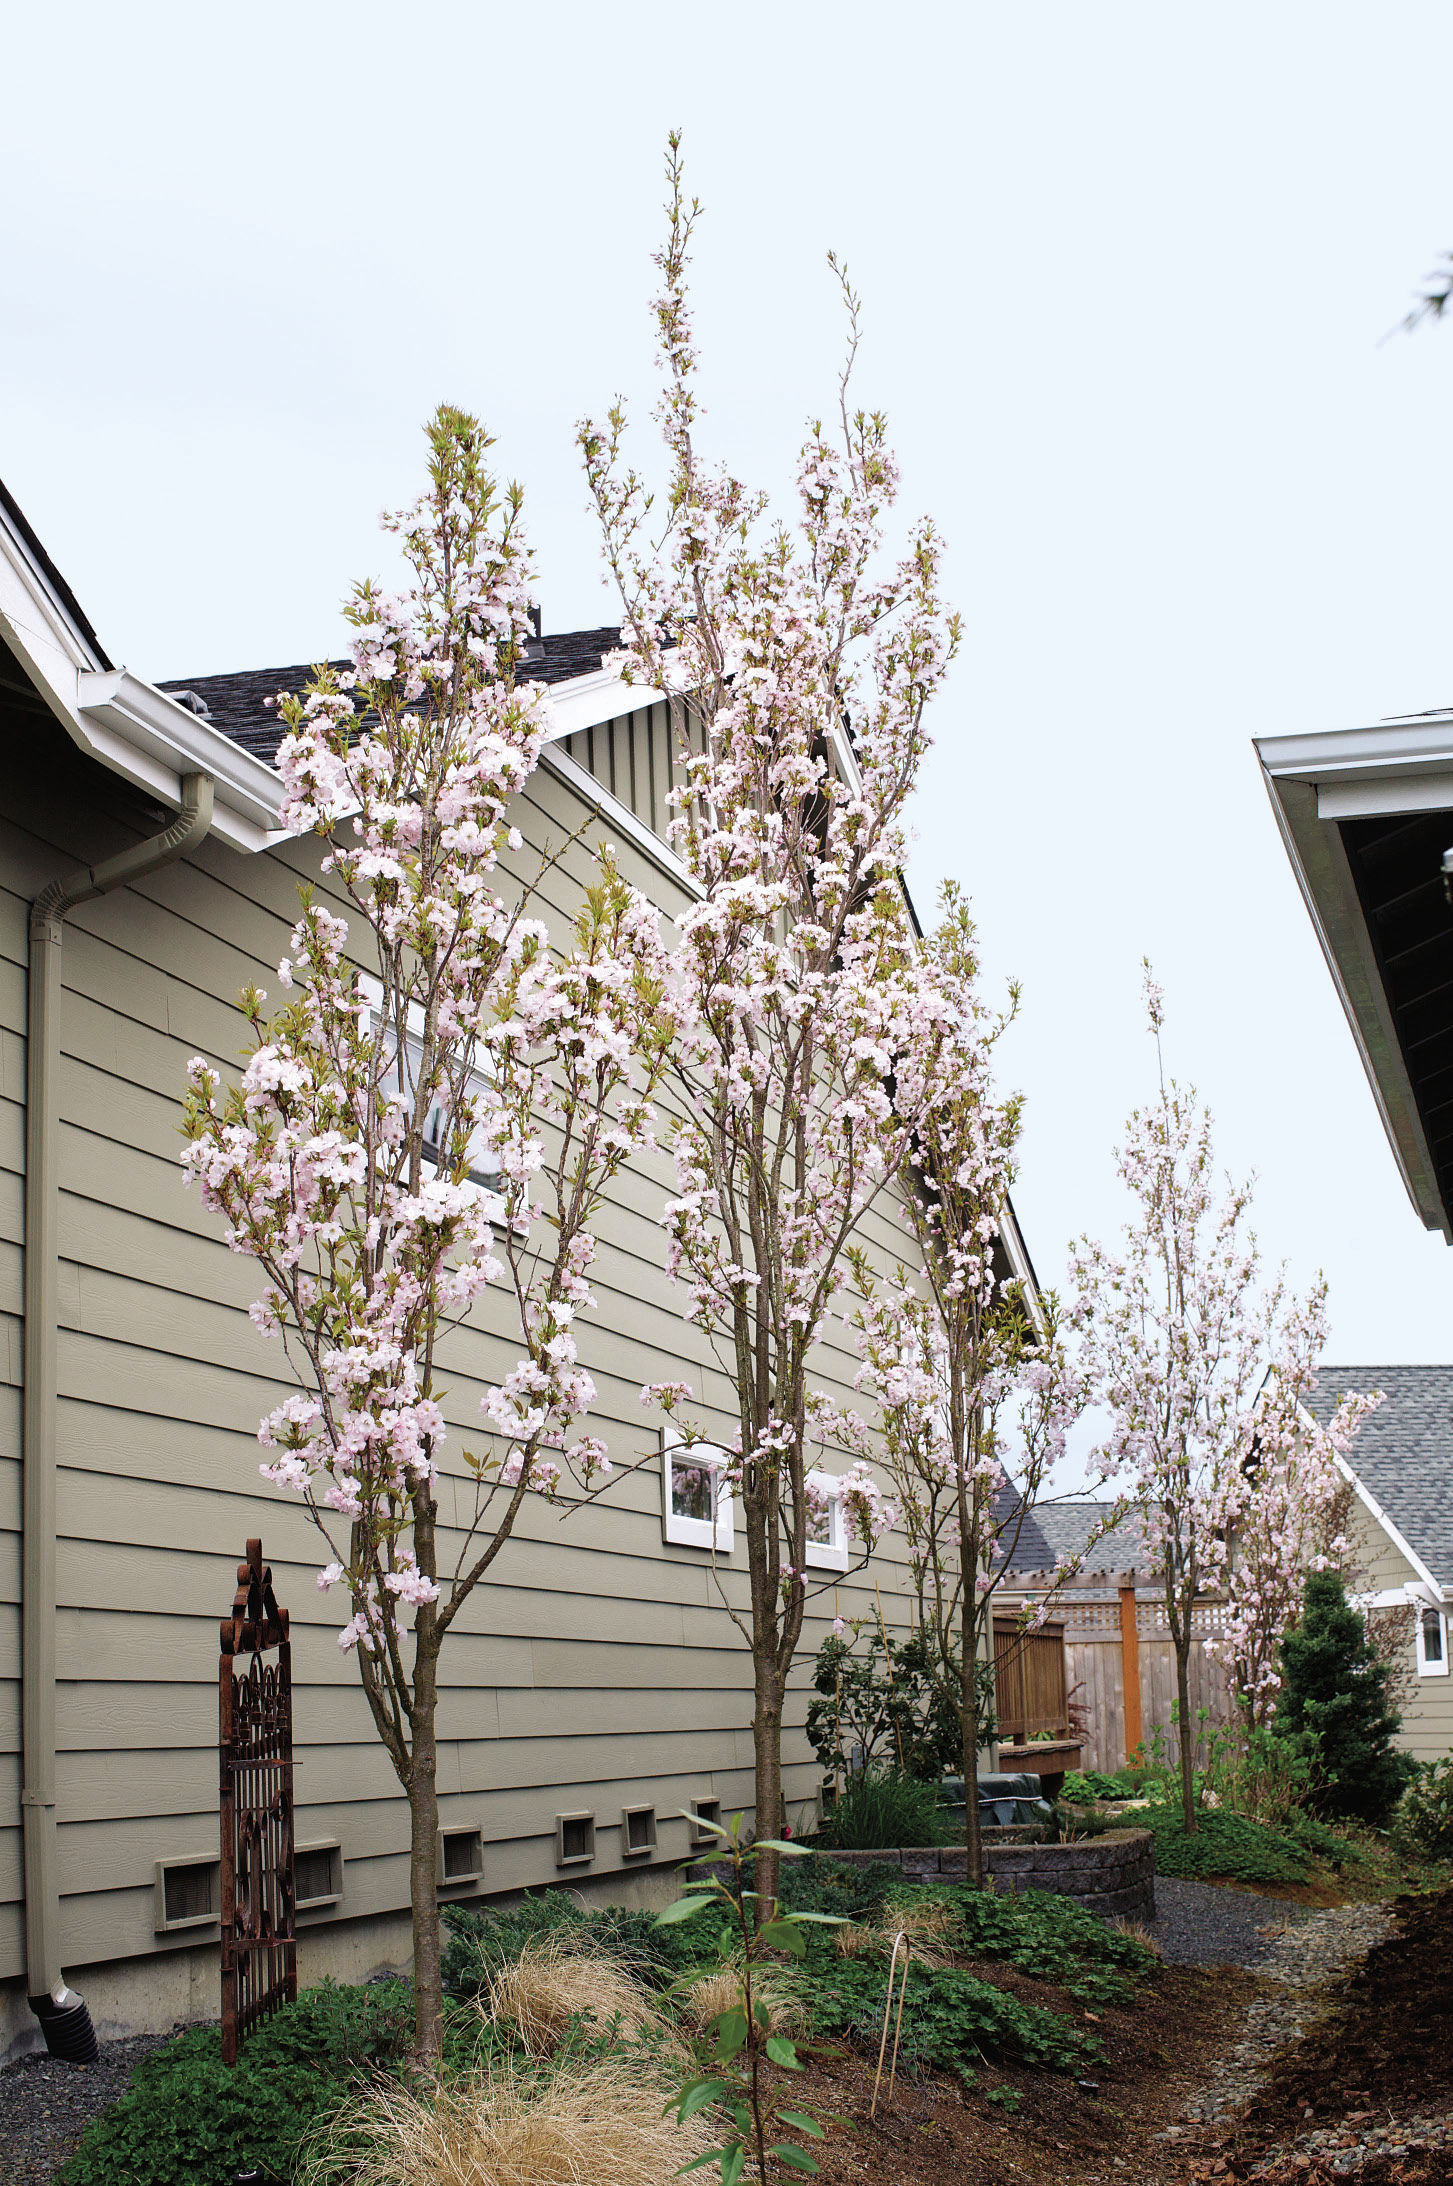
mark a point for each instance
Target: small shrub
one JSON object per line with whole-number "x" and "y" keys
{"x": 1225, "y": 1845}
{"x": 955, "y": 2019}
{"x": 187, "y": 2119}
{"x": 482, "y": 1940}
{"x": 880, "y": 1809}
{"x": 1424, "y": 1819}
{"x": 1334, "y": 1686}
{"x": 1083, "y": 1786}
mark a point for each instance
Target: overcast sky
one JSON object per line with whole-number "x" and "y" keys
{"x": 1126, "y": 272}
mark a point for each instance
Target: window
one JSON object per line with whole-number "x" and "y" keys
{"x": 697, "y": 1505}
{"x": 318, "y": 1874}
{"x": 188, "y": 1892}
{"x": 574, "y": 1840}
{"x": 638, "y": 1832}
{"x": 1432, "y": 1643}
{"x": 827, "y": 1540}
{"x": 460, "y": 1858}
{"x": 482, "y": 1170}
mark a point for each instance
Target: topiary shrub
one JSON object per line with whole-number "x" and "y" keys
{"x": 1335, "y": 1688}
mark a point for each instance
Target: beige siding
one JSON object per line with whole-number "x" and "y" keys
{"x": 598, "y": 1670}
{"x": 1381, "y": 1566}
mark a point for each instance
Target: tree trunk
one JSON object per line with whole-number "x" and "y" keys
{"x": 423, "y": 1866}
{"x": 1183, "y": 1698}
{"x": 969, "y": 1726}
{"x": 767, "y": 1765}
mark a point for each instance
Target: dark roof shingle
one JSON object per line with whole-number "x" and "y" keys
{"x": 237, "y": 703}
{"x": 1403, "y": 1453}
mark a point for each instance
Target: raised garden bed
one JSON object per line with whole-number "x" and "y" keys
{"x": 1111, "y": 1875}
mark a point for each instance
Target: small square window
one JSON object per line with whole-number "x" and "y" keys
{"x": 638, "y": 1832}
{"x": 827, "y": 1540}
{"x": 704, "y": 1810}
{"x": 188, "y": 1892}
{"x": 1432, "y": 1643}
{"x": 460, "y": 1858}
{"x": 574, "y": 1840}
{"x": 317, "y": 1874}
{"x": 692, "y": 1490}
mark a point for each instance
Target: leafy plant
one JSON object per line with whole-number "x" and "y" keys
{"x": 1424, "y": 1818}
{"x": 882, "y": 1808}
{"x": 1334, "y": 1685}
{"x": 1082, "y": 1786}
{"x": 187, "y": 2119}
{"x": 886, "y": 1705}
{"x": 740, "y": 2038}
{"x": 482, "y": 1940}
{"x": 956, "y": 2019}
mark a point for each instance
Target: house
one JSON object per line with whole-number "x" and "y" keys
{"x": 1401, "y": 1531}
{"x": 600, "y": 1683}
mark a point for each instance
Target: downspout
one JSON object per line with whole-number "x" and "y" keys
{"x": 62, "y": 2014}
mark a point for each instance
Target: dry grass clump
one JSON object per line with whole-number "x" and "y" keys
{"x": 596, "y": 2123}
{"x": 933, "y": 1931}
{"x": 1138, "y": 1934}
{"x": 707, "y": 1998}
{"x": 554, "y": 1981}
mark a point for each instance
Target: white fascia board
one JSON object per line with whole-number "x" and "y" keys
{"x": 1017, "y": 1255}
{"x": 1375, "y": 1511}
{"x": 583, "y": 702}
{"x": 621, "y": 818}
{"x": 1305, "y": 777}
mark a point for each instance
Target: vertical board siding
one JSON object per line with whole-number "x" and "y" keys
{"x": 601, "y": 1669}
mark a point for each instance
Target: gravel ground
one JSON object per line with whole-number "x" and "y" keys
{"x": 45, "y": 2106}
{"x": 1200, "y": 1924}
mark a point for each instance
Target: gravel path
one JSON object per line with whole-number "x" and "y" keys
{"x": 45, "y": 2106}
{"x": 1200, "y": 1924}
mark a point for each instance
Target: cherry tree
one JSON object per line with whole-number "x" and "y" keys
{"x": 799, "y": 669}
{"x": 1180, "y": 1333}
{"x": 436, "y": 1109}
{"x": 974, "y": 1383}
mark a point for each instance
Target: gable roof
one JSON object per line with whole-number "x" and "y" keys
{"x": 237, "y": 703}
{"x": 1403, "y": 1453}
{"x": 1052, "y": 1530}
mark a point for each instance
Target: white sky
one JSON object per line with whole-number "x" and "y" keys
{"x": 1126, "y": 270}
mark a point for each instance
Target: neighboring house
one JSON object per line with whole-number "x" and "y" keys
{"x": 600, "y": 1673}
{"x": 1401, "y": 1468}
{"x": 1053, "y": 1530}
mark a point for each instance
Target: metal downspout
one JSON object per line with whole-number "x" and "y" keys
{"x": 62, "y": 2013}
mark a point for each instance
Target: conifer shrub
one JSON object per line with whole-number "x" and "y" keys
{"x": 1335, "y": 1687}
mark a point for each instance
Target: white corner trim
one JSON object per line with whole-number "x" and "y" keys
{"x": 1375, "y": 1510}
{"x": 621, "y": 817}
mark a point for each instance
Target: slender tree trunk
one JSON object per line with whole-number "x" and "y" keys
{"x": 767, "y": 1762}
{"x": 423, "y": 1862}
{"x": 1183, "y": 1698}
{"x": 969, "y": 1726}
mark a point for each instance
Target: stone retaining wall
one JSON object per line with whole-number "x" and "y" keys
{"x": 1109, "y": 1875}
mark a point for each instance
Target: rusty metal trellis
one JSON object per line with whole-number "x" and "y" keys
{"x": 255, "y": 1751}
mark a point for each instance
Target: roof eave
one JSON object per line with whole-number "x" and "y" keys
{"x": 1313, "y": 783}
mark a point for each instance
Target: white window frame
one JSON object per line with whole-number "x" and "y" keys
{"x": 831, "y": 1554}
{"x": 683, "y": 1532}
{"x": 1426, "y": 1668}
{"x": 372, "y": 993}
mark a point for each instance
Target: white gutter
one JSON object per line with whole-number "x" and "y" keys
{"x": 1313, "y": 783}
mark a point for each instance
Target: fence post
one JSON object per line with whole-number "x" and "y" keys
{"x": 1130, "y": 1672}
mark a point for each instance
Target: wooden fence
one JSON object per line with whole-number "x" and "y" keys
{"x": 1116, "y": 1646}
{"x": 1030, "y": 1683}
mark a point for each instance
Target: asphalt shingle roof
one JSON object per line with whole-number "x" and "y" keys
{"x": 1403, "y": 1453}
{"x": 1052, "y": 1530}
{"x": 237, "y": 703}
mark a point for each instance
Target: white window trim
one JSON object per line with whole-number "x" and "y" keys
{"x": 372, "y": 993}
{"x": 831, "y": 1554}
{"x": 1426, "y": 1668}
{"x": 685, "y": 1532}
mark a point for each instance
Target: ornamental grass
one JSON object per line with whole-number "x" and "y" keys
{"x": 778, "y": 1994}
{"x": 583, "y": 2122}
{"x": 554, "y": 1981}
{"x": 932, "y": 1929}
